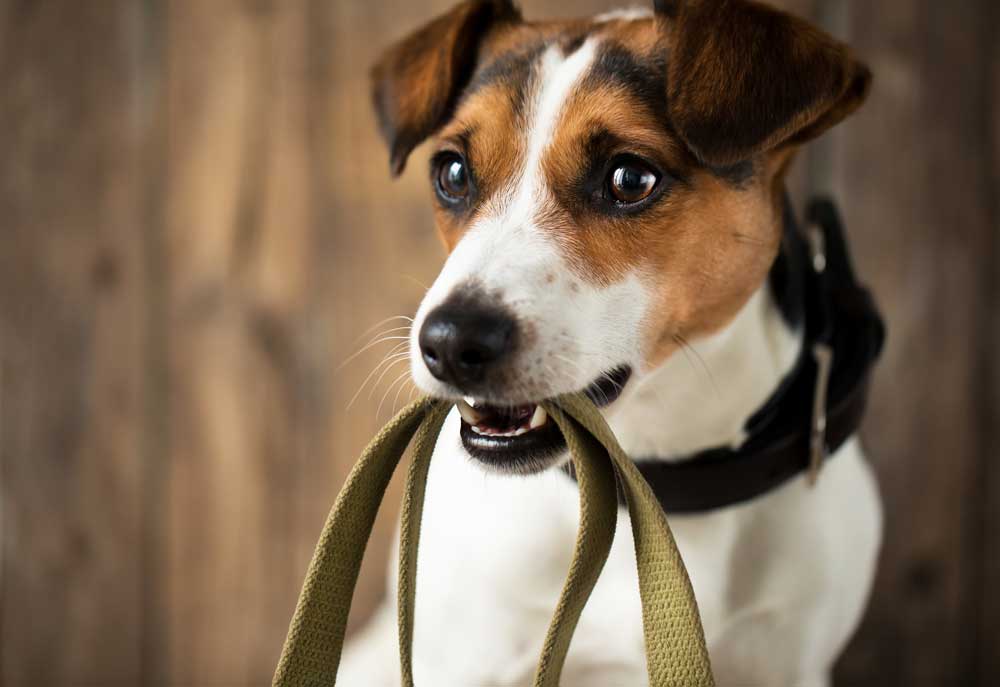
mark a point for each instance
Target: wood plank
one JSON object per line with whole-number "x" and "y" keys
{"x": 377, "y": 251}
{"x": 989, "y": 616}
{"x": 917, "y": 207}
{"x": 238, "y": 231}
{"x": 279, "y": 253}
{"x": 75, "y": 127}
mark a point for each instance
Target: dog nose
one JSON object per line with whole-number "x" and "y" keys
{"x": 461, "y": 341}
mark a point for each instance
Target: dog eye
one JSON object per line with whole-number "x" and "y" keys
{"x": 453, "y": 178}
{"x": 631, "y": 182}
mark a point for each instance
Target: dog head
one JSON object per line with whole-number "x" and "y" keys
{"x": 606, "y": 189}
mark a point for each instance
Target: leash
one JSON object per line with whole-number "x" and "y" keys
{"x": 676, "y": 653}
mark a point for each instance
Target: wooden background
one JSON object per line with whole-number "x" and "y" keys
{"x": 196, "y": 223}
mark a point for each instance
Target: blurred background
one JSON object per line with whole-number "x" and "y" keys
{"x": 197, "y": 225}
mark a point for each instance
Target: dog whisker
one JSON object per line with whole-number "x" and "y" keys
{"x": 570, "y": 361}
{"x": 384, "y": 322}
{"x": 604, "y": 394}
{"x": 410, "y": 277}
{"x": 375, "y": 342}
{"x": 689, "y": 351}
{"x": 390, "y": 359}
{"x": 397, "y": 349}
{"x": 611, "y": 380}
{"x": 404, "y": 328}
{"x": 395, "y": 400}
{"x": 400, "y": 378}
{"x": 402, "y": 355}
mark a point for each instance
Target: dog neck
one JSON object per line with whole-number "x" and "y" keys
{"x": 702, "y": 397}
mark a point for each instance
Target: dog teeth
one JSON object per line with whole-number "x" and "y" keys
{"x": 473, "y": 418}
{"x": 539, "y": 418}
{"x": 469, "y": 414}
{"x": 502, "y": 435}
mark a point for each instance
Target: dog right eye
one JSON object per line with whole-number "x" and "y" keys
{"x": 453, "y": 183}
{"x": 631, "y": 182}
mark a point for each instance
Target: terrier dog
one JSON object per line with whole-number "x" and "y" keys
{"x": 611, "y": 194}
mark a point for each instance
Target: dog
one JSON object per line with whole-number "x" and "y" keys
{"x": 611, "y": 195}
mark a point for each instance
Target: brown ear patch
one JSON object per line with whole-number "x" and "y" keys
{"x": 745, "y": 78}
{"x": 418, "y": 80}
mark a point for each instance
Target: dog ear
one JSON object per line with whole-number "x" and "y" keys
{"x": 744, "y": 78}
{"x": 416, "y": 82}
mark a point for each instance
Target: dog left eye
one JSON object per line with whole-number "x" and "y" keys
{"x": 452, "y": 178}
{"x": 631, "y": 182}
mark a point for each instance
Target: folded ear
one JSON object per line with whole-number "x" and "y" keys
{"x": 417, "y": 80}
{"x": 744, "y": 78}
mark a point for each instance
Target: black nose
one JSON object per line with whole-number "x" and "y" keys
{"x": 463, "y": 339}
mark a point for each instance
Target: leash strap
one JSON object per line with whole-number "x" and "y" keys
{"x": 316, "y": 635}
{"x": 675, "y": 644}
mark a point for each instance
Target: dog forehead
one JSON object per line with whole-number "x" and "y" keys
{"x": 531, "y": 78}
{"x": 511, "y": 59}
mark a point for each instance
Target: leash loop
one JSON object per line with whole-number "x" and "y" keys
{"x": 676, "y": 653}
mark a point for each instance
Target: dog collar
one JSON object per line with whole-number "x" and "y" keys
{"x": 821, "y": 402}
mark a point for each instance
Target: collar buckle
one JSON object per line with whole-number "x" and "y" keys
{"x": 823, "y": 354}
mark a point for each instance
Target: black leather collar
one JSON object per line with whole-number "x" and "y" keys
{"x": 821, "y": 402}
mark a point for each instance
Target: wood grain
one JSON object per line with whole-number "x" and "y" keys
{"x": 988, "y": 604}
{"x": 71, "y": 357}
{"x": 237, "y": 242}
{"x": 917, "y": 200}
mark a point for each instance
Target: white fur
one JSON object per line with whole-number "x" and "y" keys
{"x": 781, "y": 581}
{"x": 579, "y": 330}
{"x": 708, "y": 393}
{"x": 627, "y": 14}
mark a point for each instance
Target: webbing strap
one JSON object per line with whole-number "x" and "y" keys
{"x": 315, "y": 638}
{"x": 675, "y": 642}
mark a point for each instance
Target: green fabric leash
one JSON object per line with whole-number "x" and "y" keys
{"x": 676, "y": 654}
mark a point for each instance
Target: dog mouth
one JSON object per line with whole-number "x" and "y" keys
{"x": 524, "y": 438}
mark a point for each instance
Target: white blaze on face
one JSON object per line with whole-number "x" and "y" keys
{"x": 572, "y": 330}
{"x": 628, "y": 14}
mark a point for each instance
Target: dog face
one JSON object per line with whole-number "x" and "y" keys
{"x": 607, "y": 189}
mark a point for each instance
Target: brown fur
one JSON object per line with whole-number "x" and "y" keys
{"x": 703, "y": 85}
{"x": 481, "y": 133}
{"x": 418, "y": 80}
{"x": 703, "y": 249}
{"x": 746, "y": 78}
